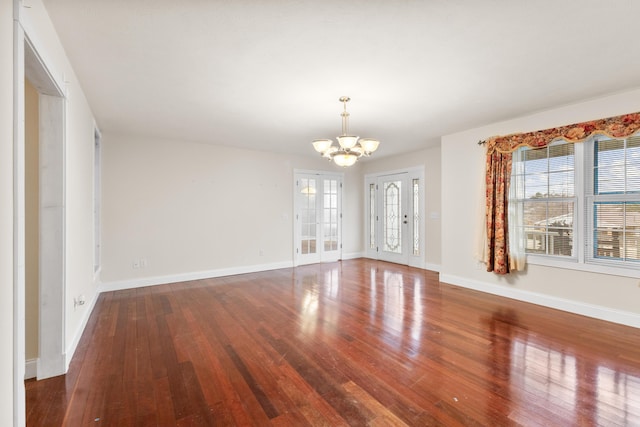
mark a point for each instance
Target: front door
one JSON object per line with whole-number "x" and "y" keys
{"x": 393, "y": 218}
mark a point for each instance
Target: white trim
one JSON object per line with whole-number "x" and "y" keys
{"x": 185, "y": 277}
{"x": 30, "y": 369}
{"x": 19, "y": 398}
{"x": 424, "y": 266}
{"x": 584, "y": 309}
{"x": 432, "y": 267}
{"x": 353, "y": 255}
{"x": 410, "y": 170}
{"x": 611, "y": 270}
{"x": 52, "y": 236}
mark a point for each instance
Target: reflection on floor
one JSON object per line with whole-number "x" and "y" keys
{"x": 357, "y": 342}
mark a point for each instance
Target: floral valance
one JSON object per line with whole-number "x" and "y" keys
{"x": 615, "y": 127}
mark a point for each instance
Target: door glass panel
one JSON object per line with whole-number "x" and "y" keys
{"x": 372, "y": 216}
{"x": 392, "y": 229}
{"x": 330, "y": 217}
{"x": 416, "y": 217}
{"x": 308, "y": 234}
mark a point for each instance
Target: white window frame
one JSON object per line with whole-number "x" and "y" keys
{"x": 583, "y": 226}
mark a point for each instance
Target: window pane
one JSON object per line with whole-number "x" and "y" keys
{"x": 548, "y": 227}
{"x": 544, "y": 188}
{"x": 617, "y": 166}
{"x": 416, "y": 217}
{"x": 561, "y": 184}
{"x": 616, "y": 230}
{"x": 330, "y": 215}
{"x": 631, "y": 243}
{"x": 372, "y": 216}
{"x": 633, "y": 164}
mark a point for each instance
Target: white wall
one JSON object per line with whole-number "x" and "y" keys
{"x": 195, "y": 210}
{"x": 429, "y": 159}
{"x": 6, "y": 212}
{"x": 610, "y": 297}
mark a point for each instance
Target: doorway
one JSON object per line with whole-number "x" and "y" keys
{"x": 394, "y": 215}
{"x": 50, "y": 227}
{"x": 317, "y": 217}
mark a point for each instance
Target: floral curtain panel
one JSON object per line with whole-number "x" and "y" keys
{"x": 498, "y": 176}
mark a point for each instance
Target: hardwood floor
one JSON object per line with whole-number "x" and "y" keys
{"x": 354, "y": 343}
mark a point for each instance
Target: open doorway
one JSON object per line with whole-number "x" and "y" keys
{"x": 40, "y": 236}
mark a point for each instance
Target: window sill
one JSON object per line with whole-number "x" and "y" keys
{"x": 573, "y": 264}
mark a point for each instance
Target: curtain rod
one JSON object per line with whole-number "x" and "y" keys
{"x": 481, "y": 142}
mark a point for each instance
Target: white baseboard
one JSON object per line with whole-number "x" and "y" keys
{"x": 432, "y": 267}
{"x": 184, "y": 277}
{"x": 584, "y": 309}
{"x": 31, "y": 369}
{"x": 352, "y": 255}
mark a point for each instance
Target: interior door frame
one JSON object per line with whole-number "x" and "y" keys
{"x": 28, "y": 63}
{"x": 372, "y": 247}
{"x": 321, "y": 256}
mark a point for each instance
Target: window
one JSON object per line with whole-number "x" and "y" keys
{"x": 613, "y": 200}
{"x": 543, "y": 182}
{"x": 578, "y": 202}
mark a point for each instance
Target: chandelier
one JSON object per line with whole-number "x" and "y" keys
{"x": 350, "y": 148}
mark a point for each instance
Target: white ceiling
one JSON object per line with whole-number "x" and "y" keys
{"x": 267, "y": 74}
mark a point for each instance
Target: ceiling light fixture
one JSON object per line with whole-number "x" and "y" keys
{"x": 351, "y": 147}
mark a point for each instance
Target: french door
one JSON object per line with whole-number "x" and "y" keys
{"x": 318, "y": 214}
{"x": 394, "y": 206}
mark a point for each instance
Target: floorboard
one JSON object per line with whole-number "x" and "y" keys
{"x": 352, "y": 343}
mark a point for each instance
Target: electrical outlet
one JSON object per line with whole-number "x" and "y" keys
{"x": 143, "y": 263}
{"x": 136, "y": 263}
{"x": 79, "y": 300}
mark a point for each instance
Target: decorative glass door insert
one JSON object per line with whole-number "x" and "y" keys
{"x": 392, "y": 217}
{"x": 393, "y": 222}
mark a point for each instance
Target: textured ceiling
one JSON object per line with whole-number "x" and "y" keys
{"x": 267, "y": 74}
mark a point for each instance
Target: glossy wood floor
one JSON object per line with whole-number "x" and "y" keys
{"x": 353, "y": 343}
